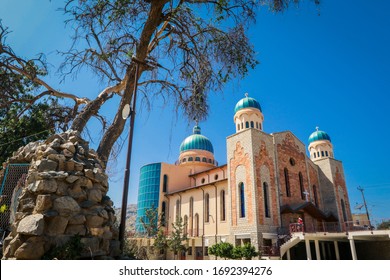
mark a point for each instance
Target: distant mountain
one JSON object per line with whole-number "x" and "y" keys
{"x": 131, "y": 215}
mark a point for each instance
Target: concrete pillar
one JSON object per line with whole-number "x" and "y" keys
{"x": 353, "y": 249}
{"x": 308, "y": 251}
{"x": 323, "y": 250}
{"x": 288, "y": 254}
{"x": 318, "y": 252}
{"x": 336, "y": 249}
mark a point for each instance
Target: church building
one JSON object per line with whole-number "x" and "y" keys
{"x": 269, "y": 187}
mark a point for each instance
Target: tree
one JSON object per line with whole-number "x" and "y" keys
{"x": 222, "y": 250}
{"x": 384, "y": 225}
{"x": 177, "y": 237}
{"x": 150, "y": 222}
{"x": 160, "y": 242}
{"x": 184, "y": 49}
{"x": 22, "y": 118}
{"x": 247, "y": 252}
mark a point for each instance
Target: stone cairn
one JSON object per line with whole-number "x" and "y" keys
{"x": 64, "y": 194}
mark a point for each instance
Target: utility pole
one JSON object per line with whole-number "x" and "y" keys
{"x": 365, "y": 206}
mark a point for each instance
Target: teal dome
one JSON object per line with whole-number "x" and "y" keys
{"x": 247, "y": 102}
{"x": 196, "y": 141}
{"x": 319, "y": 135}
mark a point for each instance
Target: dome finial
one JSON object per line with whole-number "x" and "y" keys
{"x": 246, "y": 94}
{"x": 317, "y": 127}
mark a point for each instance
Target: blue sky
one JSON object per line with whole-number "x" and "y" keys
{"x": 327, "y": 67}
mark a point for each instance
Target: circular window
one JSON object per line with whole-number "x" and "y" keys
{"x": 216, "y": 177}
{"x": 292, "y": 161}
{"x": 203, "y": 180}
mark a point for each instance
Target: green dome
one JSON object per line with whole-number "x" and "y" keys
{"x": 319, "y": 135}
{"x": 247, "y": 102}
{"x": 196, "y": 141}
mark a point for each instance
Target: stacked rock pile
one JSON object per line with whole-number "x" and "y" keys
{"x": 64, "y": 195}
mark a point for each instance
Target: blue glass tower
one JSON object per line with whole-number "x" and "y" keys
{"x": 148, "y": 193}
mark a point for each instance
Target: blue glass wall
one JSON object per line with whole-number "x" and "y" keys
{"x": 148, "y": 192}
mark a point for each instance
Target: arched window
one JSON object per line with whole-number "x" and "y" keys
{"x": 207, "y": 208}
{"x": 204, "y": 159}
{"x": 315, "y": 155}
{"x": 242, "y": 125}
{"x": 326, "y": 153}
{"x": 165, "y": 183}
{"x": 238, "y": 127}
{"x": 301, "y": 187}
{"x": 260, "y": 126}
{"x": 246, "y": 124}
{"x": 287, "y": 181}
{"x": 210, "y": 161}
{"x": 184, "y": 159}
{"x": 197, "y": 159}
{"x": 252, "y": 124}
{"x": 177, "y": 209}
{"x": 163, "y": 213}
{"x": 191, "y": 216}
{"x": 318, "y": 154}
{"x": 196, "y": 227}
{"x": 257, "y": 125}
{"x": 241, "y": 190}
{"x": 343, "y": 209}
{"x": 185, "y": 225}
{"x": 266, "y": 203}
{"x": 315, "y": 195}
{"x": 223, "y": 206}
{"x": 322, "y": 153}
{"x": 190, "y": 159}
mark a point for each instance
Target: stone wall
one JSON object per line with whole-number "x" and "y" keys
{"x": 64, "y": 195}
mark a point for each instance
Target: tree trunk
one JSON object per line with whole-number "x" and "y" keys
{"x": 116, "y": 128}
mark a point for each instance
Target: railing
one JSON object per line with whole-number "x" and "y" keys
{"x": 329, "y": 227}
{"x": 270, "y": 251}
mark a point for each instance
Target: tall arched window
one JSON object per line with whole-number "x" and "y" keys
{"x": 266, "y": 203}
{"x": 223, "y": 206}
{"x": 246, "y": 124}
{"x": 177, "y": 209}
{"x": 196, "y": 227}
{"x": 241, "y": 190}
{"x": 252, "y": 124}
{"x": 343, "y": 209}
{"x": 165, "y": 183}
{"x": 191, "y": 216}
{"x": 238, "y": 127}
{"x": 301, "y": 187}
{"x": 287, "y": 181}
{"x": 185, "y": 225}
{"x": 207, "y": 208}
{"x": 163, "y": 213}
{"x": 315, "y": 195}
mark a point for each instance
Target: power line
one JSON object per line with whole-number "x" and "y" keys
{"x": 1, "y": 145}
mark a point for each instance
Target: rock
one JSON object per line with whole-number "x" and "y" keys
{"x": 12, "y": 244}
{"x": 31, "y": 225}
{"x": 94, "y": 221}
{"x": 57, "y": 226}
{"x": 66, "y": 206}
{"x": 87, "y": 204}
{"x": 43, "y": 203}
{"x": 98, "y": 232}
{"x": 77, "y": 193}
{"x": 57, "y": 158}
{"x": 77, "y": 220}
{"x": 26, "y": 204}
{"x": 55, "y": 144}
{"x": 95, "y": 195}
{"x": 71, "y": 179}
{"x": 76, "y": 229}
{"x": 43, "y": 186}
{"x": 78, "y": 166}
{"x": 50, "y": 213}
{"x": 89, "y": 174}
{"x": 53, "y": 138}
{"x": 32, "y": 249}
{"x": 69, "y": 165}
{"x": 62, "y": 188}
{"x": 67, "y": 153}
{"x": 49, "y": 151}
{"x": 69, "y": 146}
{"x": 46, "y": 165}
